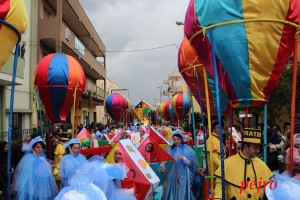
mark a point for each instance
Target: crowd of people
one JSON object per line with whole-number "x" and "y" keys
{"x": 45, "y": 171}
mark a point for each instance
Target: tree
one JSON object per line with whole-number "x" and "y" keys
{"x": 279, "y": 106}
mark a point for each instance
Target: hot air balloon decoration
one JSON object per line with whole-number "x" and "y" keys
{"x": 169, "y": 112}
{"x": 115, "y": 105}
{"x": 199, "y": 81}
{"x": 181, "y": 105}
{"x": 60, "y": 81}
{"x": 161, "y": 110}
{"x": 252, "y": 54}
{"x": 14, "y": 13}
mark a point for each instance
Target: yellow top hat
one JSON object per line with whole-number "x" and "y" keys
{"x": 252, "y": 135}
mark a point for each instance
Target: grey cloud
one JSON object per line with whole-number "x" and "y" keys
{"x": 138, "y": 24}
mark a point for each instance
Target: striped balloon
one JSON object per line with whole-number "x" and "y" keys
{"x": 128, "y": 105}
{"x": 57, "y": 77}
{"x": 169, "y": 112}
{"x": 251, "y": 44}
{"x": 181, "y": 105}
{"x": 161, "y": 109}
{"x": 14, "y": 13}
{"x": 173, "y": 117}
{"x": 115, "y": 105}
{"x": 193, "y": 71}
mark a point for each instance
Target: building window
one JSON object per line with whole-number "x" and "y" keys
{"x": 17, "y": 121}
{"x": 95, "y": 117}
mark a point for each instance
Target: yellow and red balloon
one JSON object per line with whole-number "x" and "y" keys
{"x": 14, "y": 13}
{"x": 181, "y": 105}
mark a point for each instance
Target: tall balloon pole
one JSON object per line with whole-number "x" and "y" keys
{"x": 202, "y": 110}
{"x": 246, "y": 118}
{"x": 231, "y": 138}
{"x": 73, "y": 112}
{"x": 193, "y": 120}
{"x": 219, "y": 112}
{"x": 40, "y": 112}
{"x": 293, "y": 103}
{"x": 265, "y": 131}
{"x": 209, "y": 128}
{"x": 11, "y": 107}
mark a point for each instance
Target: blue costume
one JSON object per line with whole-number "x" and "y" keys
{"x": 70, "y": 163}
{"x": 33, "y": 179}
{"x": 180, "y": 179}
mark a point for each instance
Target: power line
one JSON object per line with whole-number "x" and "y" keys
{"x": 116, "y": 51}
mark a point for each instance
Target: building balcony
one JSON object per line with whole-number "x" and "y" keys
{"x": 64, "y": 27}
{"x": 94, "y": 92}
{"x": 175, "y": 88}
{"x": 7, "y": 71}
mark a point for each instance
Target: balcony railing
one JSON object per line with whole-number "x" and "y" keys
{"x": 7, "y": 69}
{"x": 18, "y": 135}
{"x": 95, "y": 91}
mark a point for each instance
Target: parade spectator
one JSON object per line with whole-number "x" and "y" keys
{"x": 275, "y": 142}
{"x": 26, "y": 141}
{"x": 3, "y": 168}
{"x": 279, "y": 139}
{"x": 182, "y": 175}
{"x": 19, "y": 150}
{"x": 71, "y": 162}
{"x": 33, "y": 178}
{"x": 245, "y": 174}
{"x": 213, "y": 149}
{"x": 296, "y": 156}
{"x": 59, "y": 151}
{"x": 238, "y": 129}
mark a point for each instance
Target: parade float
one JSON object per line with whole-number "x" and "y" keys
{"x": 156, "y": 156}
{"x": 241, "y": 53}
{"x": 140, "y": 175}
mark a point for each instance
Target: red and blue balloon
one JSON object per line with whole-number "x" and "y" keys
{"x": 116, "y": 105}
{"x": 58, "y": 77}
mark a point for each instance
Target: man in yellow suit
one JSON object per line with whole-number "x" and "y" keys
{"x": 58, "y": 154}
{"x": 213, "y": 149}
{"x": 246, "y": 176}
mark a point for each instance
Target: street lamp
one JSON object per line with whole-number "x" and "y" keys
{"x": 159, "y": 87}
{"x": 154, "y": 102}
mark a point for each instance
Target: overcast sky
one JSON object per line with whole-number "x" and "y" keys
{"x": 126, "y": 25}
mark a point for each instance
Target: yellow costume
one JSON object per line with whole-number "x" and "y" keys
{"x": 145, "y": 122}
{"x": 213, "y": 151}
{"x": 246, "y": 182}
{"x": 58, "y": 154}
{"x": 245, "y": 176}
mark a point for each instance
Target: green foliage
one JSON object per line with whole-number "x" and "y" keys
{"x": 280, "y": 100}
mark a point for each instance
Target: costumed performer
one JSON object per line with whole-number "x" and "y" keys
{"x": 72, "y": 161}
{"x": 213, "y": 149}
{"x": 80, "y": 188}
{"x": 245, "y": 174}
{"x": 33, "y": 179}
{"x": 59, "y": 151}
{"x": 181, "y": 176}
